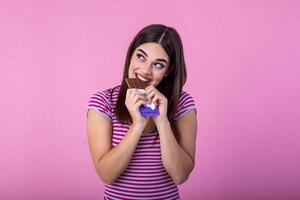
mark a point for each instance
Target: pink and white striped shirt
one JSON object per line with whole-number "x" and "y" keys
{"x": 145, "y": 176}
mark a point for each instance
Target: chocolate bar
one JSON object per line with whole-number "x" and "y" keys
{"x": 135, "y": 83}
{"x": 149, "y": 109}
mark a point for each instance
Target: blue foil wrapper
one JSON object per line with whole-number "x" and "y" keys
{"x": 148, "y": 111}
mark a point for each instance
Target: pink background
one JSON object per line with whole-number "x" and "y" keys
{"x": 243, "y": 71}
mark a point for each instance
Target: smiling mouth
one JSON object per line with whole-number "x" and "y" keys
{"x": 143, "y": 78}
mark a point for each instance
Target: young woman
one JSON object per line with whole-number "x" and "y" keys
{"x": 145, "y": 157}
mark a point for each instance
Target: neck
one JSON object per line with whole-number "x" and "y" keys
{"x": 150, "y": 126}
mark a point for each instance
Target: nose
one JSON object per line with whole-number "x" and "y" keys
{"x": 147, "y": 69}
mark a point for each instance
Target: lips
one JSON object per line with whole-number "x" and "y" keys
{"x": 142, "y": 78}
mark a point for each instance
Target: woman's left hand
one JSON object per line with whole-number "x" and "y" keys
{"x": 159, "y": 100}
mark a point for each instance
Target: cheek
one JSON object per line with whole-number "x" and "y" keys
{"x": 160, "y": 74}
{"x": 131, "y": 70}
{"x": 132, "y": 65}
{"x": 159, "y": 77}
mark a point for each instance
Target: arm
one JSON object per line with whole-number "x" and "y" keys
{"x": 179, "y": 156}
{"x": 109, "y": 162}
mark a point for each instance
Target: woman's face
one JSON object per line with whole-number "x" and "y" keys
{"x": 149, "y": 62}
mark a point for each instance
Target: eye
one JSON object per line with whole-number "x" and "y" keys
{"x": 159, "y": 65}
{"x": 140, "y": 56}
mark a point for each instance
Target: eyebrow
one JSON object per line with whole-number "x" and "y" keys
{"x": 159, "y": 59}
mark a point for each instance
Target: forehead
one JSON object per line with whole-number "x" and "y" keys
{"x": 153, "y": 50}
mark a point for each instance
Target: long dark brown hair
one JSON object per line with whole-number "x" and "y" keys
{"x": 171, "y": 85}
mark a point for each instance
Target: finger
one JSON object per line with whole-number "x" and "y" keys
{"x": 137, "y": 92}
{"x": 138, "y": 97}
{"x": 139, "y": 103}
{"x": 150, "y": 89}
{"x": 151, "y": 95}
{"x": 130, "y": 93}
{"x": 157, "y": 99}
{"x": 134, "y": 91}
{"x": 151, "y": 92}
{"x": 135, "y": 95}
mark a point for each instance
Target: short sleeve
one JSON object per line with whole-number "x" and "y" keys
{"x": 186, "y": 104}
{"x": 100, "y": 102}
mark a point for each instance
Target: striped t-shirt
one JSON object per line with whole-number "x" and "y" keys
{"x": 145, "y": 176}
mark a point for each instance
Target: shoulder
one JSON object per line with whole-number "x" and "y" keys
{"x": 101, "y": 97}
{"x": 185, "y": 100}
{"x": 105, "y": 96}
{"x": 103, "y": 100}
{"x": 186, "y": 103}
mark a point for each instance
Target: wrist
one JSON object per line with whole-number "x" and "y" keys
{"x": 136, "y": 127}
{"x": 162, "y": 123}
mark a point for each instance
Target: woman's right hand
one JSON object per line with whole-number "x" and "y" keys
{"x": 134, "y": 99}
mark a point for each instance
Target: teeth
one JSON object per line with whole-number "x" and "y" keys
{"x": 141, "y": 78}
